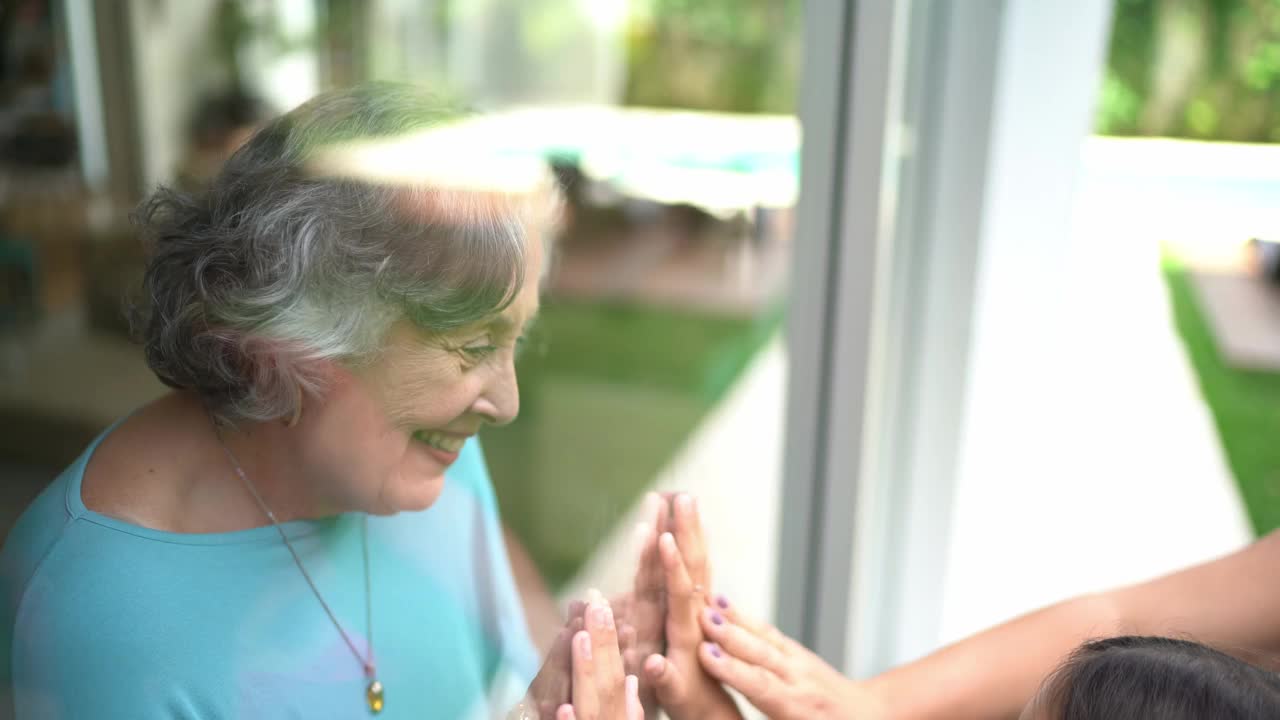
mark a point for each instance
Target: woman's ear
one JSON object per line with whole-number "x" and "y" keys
{"x": 308, "y": 379}
{"x": 285, "y": 377}
{"x": 321, "y": 373}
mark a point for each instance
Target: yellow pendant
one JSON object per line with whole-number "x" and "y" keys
{"x": 373, "y": 694}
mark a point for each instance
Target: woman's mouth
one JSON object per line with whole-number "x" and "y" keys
{"x": 440, "y": 441}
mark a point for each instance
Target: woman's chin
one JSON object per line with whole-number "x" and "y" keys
{"x": 415, "y": 485}
{"x": 416, "y": 493}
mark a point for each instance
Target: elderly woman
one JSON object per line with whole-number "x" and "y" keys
{"x": 252, "y": 543}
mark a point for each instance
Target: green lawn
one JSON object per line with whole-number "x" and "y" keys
{"x": 1245, "y": 405}
{"x": 609, "y": 393}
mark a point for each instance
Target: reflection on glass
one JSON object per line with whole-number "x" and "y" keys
{"x": 654, "y": 362}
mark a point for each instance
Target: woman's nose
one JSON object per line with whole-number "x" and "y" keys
{"x": 500, "y": 400}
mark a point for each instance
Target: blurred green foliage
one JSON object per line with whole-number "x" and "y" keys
{"x": 609, "y": 392}
{"x": 726, "y": 55}
{"x": 1207, "y": 69}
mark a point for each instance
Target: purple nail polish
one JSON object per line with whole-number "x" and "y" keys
{"x": 723, "y": 602}
{"x": 717, "y": 618}
{"x": 715, "y": 650}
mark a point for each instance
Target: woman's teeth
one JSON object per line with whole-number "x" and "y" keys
{"x": 440, "y": 441}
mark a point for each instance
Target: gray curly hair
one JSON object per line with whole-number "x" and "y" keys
{"x": 276, "y": 265}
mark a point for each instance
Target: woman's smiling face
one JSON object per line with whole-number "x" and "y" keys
{"x": 387, "y": 430}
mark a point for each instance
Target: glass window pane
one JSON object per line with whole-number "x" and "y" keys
{"x": 655, "y": 364}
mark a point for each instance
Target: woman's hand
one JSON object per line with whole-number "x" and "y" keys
{"x": 639, "y": 617}
{"x": 601, "y": 690}
{"x": 684, "y": 690}
{"x": 553, "y": 685}
{"x": 641, "y": 614}
{"x": 777, "y": 674}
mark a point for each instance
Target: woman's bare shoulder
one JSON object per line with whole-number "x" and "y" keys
{"x": 135, "y": 472}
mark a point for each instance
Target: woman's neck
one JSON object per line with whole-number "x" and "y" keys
{"x": 166, "y": 469}
{"x": 267, "y": 457}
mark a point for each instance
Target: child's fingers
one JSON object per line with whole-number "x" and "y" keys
{"x": 565, "y": 712}
{"x": 759, "y": 628}
{"x": 683, "y": 602}
{"x": 742, "y": 643}
{"x": 759, "y": 686}
{"x": 668, "y": 682}
{"x": 689, "y": 537}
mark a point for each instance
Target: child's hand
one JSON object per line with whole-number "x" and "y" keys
{"x": 685, "y": 691}
{"x": 778, "y": 675}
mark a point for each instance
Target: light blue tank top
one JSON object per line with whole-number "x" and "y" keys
{"x": 104, "y": 619}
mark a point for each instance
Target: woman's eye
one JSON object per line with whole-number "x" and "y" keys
{"x": 479, "y": 352}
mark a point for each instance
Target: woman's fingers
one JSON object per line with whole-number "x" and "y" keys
{"x": 648, "y": 579}
{"x": 601, "y": 690}
{"x": 604, "y": 645}
{"x": 645, "y": 605}
{"x": 649, "y": 571}
{"x": 742, "y": 643}
{"x": 759, "y": 686}
{"x": 626, "y": 636}
{"x": 635, "y": 711}
{"x": 628, "y": 647}
{"x": 552, "y": 685}
{"x": 688, "y": 532}
{"x": 586, "y": 702}
{"x": 664, "y": 512}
